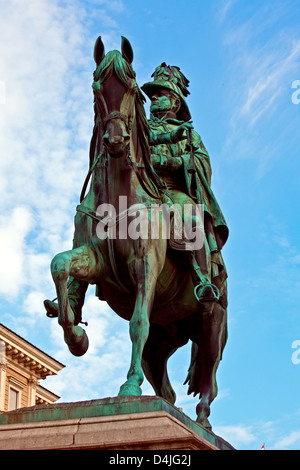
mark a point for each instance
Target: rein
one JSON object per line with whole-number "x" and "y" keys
{"x": 136, "y": 166}
{"x": 103, "y": 117}
{"x": 87, "y": 179}
{"x": 85, "y": 210}
{"x": 108, "y": 224}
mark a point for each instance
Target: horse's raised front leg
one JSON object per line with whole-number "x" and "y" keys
{"x": 139, "y": 324}
{"x": 79, "y": 263}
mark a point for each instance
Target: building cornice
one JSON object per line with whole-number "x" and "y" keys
{"x": 28, "y": 356}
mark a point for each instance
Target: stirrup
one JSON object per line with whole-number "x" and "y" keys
{"x": 52, "y": 312}
{"x": 215, "y": 294}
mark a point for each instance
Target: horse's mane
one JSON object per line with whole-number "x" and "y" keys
{"x": 114, "y": 62}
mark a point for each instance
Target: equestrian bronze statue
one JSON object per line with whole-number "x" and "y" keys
{"x": 148, "y": 232}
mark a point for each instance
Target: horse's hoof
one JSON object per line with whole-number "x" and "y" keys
{"x": 204, "y": 423}
{"x": 130, "y": 389}
{"x": 203, "y": 411}
{"x": 80, "y": 345}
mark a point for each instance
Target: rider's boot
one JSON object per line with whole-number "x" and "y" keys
{"x": 76, "y": 295}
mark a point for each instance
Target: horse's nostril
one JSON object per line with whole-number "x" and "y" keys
{"x": 117, "y": 139}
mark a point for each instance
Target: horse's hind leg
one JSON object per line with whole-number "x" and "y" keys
{"x": 79, "y": 263}
{"x": 210, "y": 338}
{"x": 159, "y": 348}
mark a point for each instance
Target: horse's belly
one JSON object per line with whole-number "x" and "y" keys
{"x": 174, "y": 297}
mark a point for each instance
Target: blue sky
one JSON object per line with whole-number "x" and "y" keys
{"x": 242, "y": 58}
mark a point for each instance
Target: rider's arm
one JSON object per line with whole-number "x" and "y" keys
{"x": 157, "y": 138}
{"x": 201, "y": 156}
{"x": 175, "y": 135}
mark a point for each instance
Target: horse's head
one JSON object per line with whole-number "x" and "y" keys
{"x": 120, "y": 120}
{"x": 115, "y": 91}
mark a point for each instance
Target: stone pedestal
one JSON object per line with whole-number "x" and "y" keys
{"x": 120, "y": 423}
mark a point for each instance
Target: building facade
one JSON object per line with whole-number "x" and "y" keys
{"x": 22, "y": 366}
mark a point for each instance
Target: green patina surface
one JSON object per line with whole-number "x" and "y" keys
{"x": 107, "y": 407}
{"x": 170, "y": 289}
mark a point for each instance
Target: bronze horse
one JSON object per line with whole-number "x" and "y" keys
{"x": 143, "y": 280}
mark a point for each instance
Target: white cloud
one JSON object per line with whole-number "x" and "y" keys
{"x": 44, "y": 131}
{"x": 33, "y": 306}
{"x": 270, "y": 72}
{"x": 292, "y": 440}
{"x": 262, "y": 67}
{"x": 13, "y": 231}
{"x": 46, "y": 121}
{"x": 236, "y": 435}
{"x": 224, "y": 9}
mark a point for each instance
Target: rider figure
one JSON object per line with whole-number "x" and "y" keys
{"x": 180, "y": 158}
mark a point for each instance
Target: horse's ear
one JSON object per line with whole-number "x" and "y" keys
{"x": 127, "y": 51}
{"x": 99, "y": 52}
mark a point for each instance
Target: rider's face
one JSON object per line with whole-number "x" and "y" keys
{"x": 161, "y": 101}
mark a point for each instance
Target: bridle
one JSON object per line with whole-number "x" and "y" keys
{"x": 103, "y": 118}
{"x": 116, "y": 115}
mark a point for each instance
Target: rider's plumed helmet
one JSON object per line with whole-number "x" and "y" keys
{"x": 170, "y": 78}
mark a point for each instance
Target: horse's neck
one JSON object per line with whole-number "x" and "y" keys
{"x": 122, "y": 181}
{"x": 114, "y": 177}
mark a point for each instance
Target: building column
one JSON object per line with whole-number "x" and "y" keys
{"x": 2, "y": 375}
{"x": 32, "y": 384}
